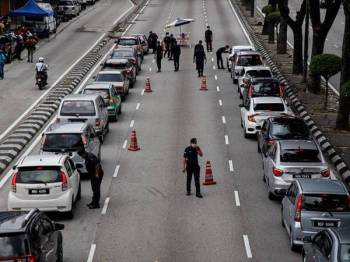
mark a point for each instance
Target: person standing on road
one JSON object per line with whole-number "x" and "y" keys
{"x": 191, "y": 166}
{"x": 30, "y": 44}
{"x": 199, "y": 58}
{"x": 159, "y": 56}
{"x": 166, "y": 42}
{"x": 219, "y": 53}
{"x": 176, "y": 51}
{"x": 3, "y": 58}
{"x": 95, "y": 172}
{"x": 209, "y": 39}
{"x": 172, "y": 44}
{"x": 152, "y": 41}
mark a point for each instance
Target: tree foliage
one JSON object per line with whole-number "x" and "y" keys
{"x": 345, "y": 89}
{"x": 326, "y": 65}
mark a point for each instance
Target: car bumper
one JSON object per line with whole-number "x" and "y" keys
{"x": 62, "y": 203}
{"x": 251, "y": 128}
{"x": 278, "y": 186}
{"x": 299, "y": 234}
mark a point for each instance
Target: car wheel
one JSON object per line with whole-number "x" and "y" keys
{"x": 271, "y": 196}
{"x": 79, "y": 193}
{"x": 293, "y": 247}
{"x": 245, "y": 133}
{"x": 59, "y": 252}
{"x": 259, "y": 149}
{"x": 70, "y": 214}
{"x": 120, "y": 109}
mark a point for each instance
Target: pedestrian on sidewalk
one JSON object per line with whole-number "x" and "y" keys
{"x": 30, "y": 45}
{"x": 209, "y": 39}
{"x": 199, "y": 58}
{"x": 191, "y": 166}
{"x": 159, "y": 56}
{"x": 95, "y": 172}
{"x": 172, "y": 44}
{"x": 219, "y": 53}
{"x": 3, "y": 58}
{"x": 176, "y": 51}
{"x": 166, "y": 43}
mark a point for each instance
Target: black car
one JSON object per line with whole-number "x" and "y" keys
{"x": 29, "y": 236}
{"x": 281, "y": 128}
{"x": 262, "y": 86}
{"x": 332, "y": 245}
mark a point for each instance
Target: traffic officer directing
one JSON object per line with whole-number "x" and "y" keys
{"x": 199, "y": 58}
{"x": 219, "y": 53}
{"x": 159, "y": 56}
{"x": 191, "y": 166}
{"x": 176, "y": 51}
{"x": 209, "y": 39}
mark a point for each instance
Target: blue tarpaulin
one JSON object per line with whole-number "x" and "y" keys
{"x": 31, "y": 8}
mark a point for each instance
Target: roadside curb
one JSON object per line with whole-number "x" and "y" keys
{"x": 297, "y": 106}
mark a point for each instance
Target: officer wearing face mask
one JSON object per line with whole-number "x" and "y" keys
{"x": 191, "y": 166}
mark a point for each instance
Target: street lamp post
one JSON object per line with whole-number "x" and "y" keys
{"x": 306, "y": 42}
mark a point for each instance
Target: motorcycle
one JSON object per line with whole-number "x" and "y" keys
{"x": 41, "y": 80}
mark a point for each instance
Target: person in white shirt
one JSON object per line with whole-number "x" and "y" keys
{"x": 41, "y": 67}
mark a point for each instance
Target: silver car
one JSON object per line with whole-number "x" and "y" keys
{"x": 69, "y": 8}
{"x": 311, "y": 205}
{"x": 70, "y": 138}
{"x": 287, "y": 160}
{"x": 243, "y": 59}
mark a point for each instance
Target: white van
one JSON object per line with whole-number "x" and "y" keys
{"x": 42, "y": 26}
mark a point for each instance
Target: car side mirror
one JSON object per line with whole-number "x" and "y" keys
{"x": 94, "y": 77}
{"x": 59, "y": 226}
{"x": 14, "y": 167}
{"x": 307, "y": 239}
{"x": 78, "y": 166}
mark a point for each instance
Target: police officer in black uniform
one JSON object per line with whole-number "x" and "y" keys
{"x": 159, "y": 56}
{"x": 190, "y": 164}
{"x": 199, "y": 58}
{"x": 176, "y": 51}
{"x": 167, "y": 43}
{"x": 219, "y": 53}
{"x": 209, "y": 39}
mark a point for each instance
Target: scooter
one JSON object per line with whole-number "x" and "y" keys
{"x": 41, "y": 80}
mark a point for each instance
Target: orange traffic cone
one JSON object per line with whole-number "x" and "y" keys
{"x": 148, "y": 88}
{"x": 204, "y": 84}
{"x": 209, "y": 180}
{"x": 133, "y": 146}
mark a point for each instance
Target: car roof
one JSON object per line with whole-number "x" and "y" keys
{"x": 109, "y": 72}
{"x": 128, "y": 37}
{"x": 237, "y": 47}
{"x": 116, "y": 61}
{"x": 319, "y": 185}
{"x": 41, "y": 160}
{"x": 286, "y": 118}
{"x": 298, "y": 143}
{"x": 249, "y": 68}
{"x": 98, "y": 85}
{"x": 343, "y": 234}
{"x": 248, "y": 53}
{"x": 267, "y": 100}
{"x": 66, "y": 128}
{"x": 124, "y": 48}
{"x": 80, "y": 97}
{"x": 12, "y": 221}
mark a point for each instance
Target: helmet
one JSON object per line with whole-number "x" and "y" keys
{"x": 41, "y": 59}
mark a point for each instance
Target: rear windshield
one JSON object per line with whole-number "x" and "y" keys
{"x": 109, "y": 78}
{"x": 104, "y": 93}
{"x": 114, "y": 66}
{"x": 289, "y": 129}
{"x": 63, "y": 142}
{"x": 344, "y": 255}
{"x": 14, "y": 245}
{"x": 249, "y": 60}
{"x": 125, "y": 41}
{"x": 39, "y": 174}
{"x": 81, "y": 108}
{"x": 259, "y": 73}
{"x": 325, "y": 202}
{"x": 66, "y": 3}
{"x": 269, "y": 107}
{"x": 121, "y": 54}
{"x": 266, "y": 89}
{"x": 300, "y": 155}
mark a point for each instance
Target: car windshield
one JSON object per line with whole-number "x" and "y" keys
{"x": 266, "y": 89}
{"x": 63, "y": 142}
{"x": 289, "y": 129}
{"x": 325, "y": 202}
{"x": 259, "y": 73}
{"x": 344, "y": 254}
{"x": 13, "y": 246}
{"x": 249, "y": 60}
{"x": 109, "y": 78}
{"x": 114, "y": 66}
{"x": 104, "y": 93}
{"x": 269, "y": 107}
{"x": 76, "y": 107}
{"x": 127, "y": 41}
{"x": 66, "y": 3}
{"x": 300, "y": 155}
{"x": 39, "y": 174}
{"x": 121, "y": 54}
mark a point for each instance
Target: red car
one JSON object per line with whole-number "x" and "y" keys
{"x": 124, "y": 65}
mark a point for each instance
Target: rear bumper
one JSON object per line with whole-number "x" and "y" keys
{"x": 299, "y": 234}
{"x": 278, "y": 186}
{"x": 62, "y": 203}
{"x": 251, "y": 128}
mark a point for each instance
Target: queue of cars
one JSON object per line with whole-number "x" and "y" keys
{"x": 51, "y": 180}
{"x": 315, "y": 210}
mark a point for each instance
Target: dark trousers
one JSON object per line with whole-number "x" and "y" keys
{"x": 219, "y": 61}
{"x": 195, "y": 172}
{"x": 176, "y": 62}
{"x": 167, "y": 51}
{"x": 30, "y": 54}
{"x": 159, "y": 64}
{"x": 2, "y": 64}
{"x": 200, "y": 66}
{"x": 96, "y": 189}
{"x": 209, "y": 46}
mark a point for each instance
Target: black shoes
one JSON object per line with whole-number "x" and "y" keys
{"x": 199, "y": 195}
{"x": 188, "y": 193}
{"x": 93, "y": 206}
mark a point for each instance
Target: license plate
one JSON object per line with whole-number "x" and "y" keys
{"x": 302, "y": 176}
{"x": 325, "y": 223}
{"x": 39, "y": 191}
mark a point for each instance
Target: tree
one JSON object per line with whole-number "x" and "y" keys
{"x": 326, "y": 65}
{"x": 273, "y": 19}
{"x": 320, "y": 31}
{"x": 296, "y": 26}
{"x": 344, "y": 99}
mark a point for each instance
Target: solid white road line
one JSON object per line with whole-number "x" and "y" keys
{"x": 116, "y": 171}
{"x": 91, "y": 253}
{"x": 150, "y": 69}
{"x": 105, "y": 206}
{"x": 125, "y": 143}
{"x": 238, "y": 203}
{"x": 132, "y": 123}
{"x": 226, "y": 140}
{"x": 223, "y": 119}
{"x": 247, "y": 246}
{"x": 230, "y": 165}
{"x": 220, "y": 102}
{"x": 218, "y": 88}
{"x": 137, "y": 106}
{"x": 216, "y": 77}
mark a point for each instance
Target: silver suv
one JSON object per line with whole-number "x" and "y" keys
{"x": 70, "y": 138}
{"x": 310, "y": 205}
{"x": 69, "y": 8}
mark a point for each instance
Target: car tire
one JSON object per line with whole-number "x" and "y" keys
{"x": 259, "y": 149}
{"x": 271, "y": 195}
{"x": 70, "y": 214}
{"x": 245, "y": 133}
{"x": 79, "y": 193}
{"x": 293, "y": 247}
{"x": 120, "y": 109}
{"x": 59, "y": 252}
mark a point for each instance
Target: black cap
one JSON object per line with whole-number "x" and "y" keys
{"x": 193, "y": 141}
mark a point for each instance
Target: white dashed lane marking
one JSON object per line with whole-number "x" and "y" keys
{"x": 212, "y": 59}
{"x": 238, "y": 203}
{"x": 223, "y": 119}
{"x": 125, "y": 143}
{"x": 218, "y": 88}
{"x": 91, "y": 253}
{"x": 216, "y": 77}
{"x": 247, "y": 246}
{"x": 220, "y": 102}
{"x": 230, "y": 165}
{"x": 226, "y": 140}
{"x": 105, "y": 206}
{"x": 137, "y": 106}
{"x": 150, "y": 69}
{"x": 132, "y": 123}
{"x": 143, "y": 92}
{"x": 116, "y": 171}
{"x": 214, "y": 67}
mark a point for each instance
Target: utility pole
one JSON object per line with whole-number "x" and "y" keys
{"x": 306, "y": 41}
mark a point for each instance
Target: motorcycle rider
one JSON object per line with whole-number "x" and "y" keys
{"x": 41, "y": 68}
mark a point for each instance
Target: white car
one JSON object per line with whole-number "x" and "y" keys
{"x": 116, "y": 78}
{"x": 234, "y": 49}
{"x": 251, "y": 71}
{"x": 257, "y": 109}
{"x": 46, "y": 182}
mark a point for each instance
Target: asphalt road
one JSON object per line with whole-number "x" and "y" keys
{"x": 148, "y": 216}
{"x": 334, "y": 41}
